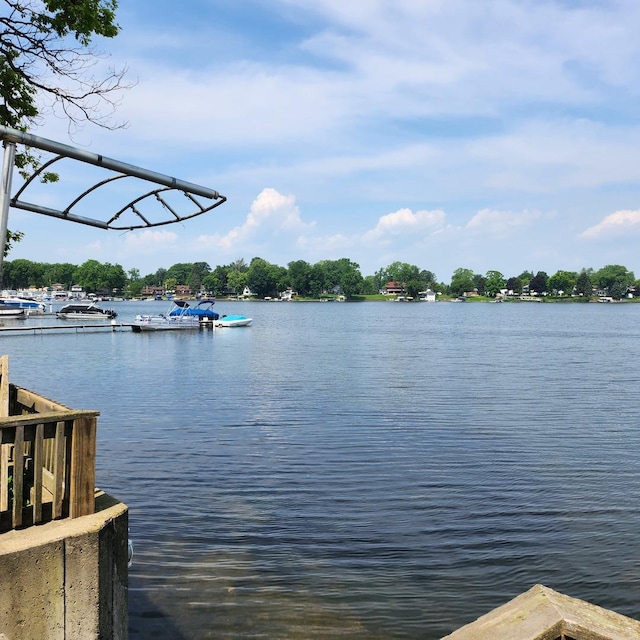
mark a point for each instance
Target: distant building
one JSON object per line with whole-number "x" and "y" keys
{"x": 427, "y": 296}
{"x": 394, "y": 288}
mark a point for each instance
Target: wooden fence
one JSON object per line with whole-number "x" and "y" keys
{"x": 47, "y": 457}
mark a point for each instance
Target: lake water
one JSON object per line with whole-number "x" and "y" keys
{"x": 369, "y": 470}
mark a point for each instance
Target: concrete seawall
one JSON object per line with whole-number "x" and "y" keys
{"x": 67, "y": 579}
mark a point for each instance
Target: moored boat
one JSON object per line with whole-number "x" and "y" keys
{"x": 233, "y": 321}
{"x": 180, "y": 316}
{"x": 7, "y": 312}
{"x": 85, "y": 311}
{"x": 28, "y": 305}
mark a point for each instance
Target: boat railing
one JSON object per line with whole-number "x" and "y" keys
{"x": 47, "y": 457}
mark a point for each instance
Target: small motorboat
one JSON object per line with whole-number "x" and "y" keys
{"x": 7, "y": 312}
{"x": 233, "y": 321}
{"x": 29, "y": 305}
{"x": 85, "y": 311}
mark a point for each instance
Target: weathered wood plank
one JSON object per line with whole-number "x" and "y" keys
{"x": 18, "y": 476}
{"x": 35, "y": 403}
{"x": 38, "y": 461}
{"x": 46, "y": 417}
{"x": 83, "y": 467}
{"x": 58, "y": 470}
{"x": 4, "y": 386}
{"x": 5, "y": 450}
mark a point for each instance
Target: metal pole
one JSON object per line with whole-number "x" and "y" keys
{"x": 28, "y": 139}
{"x": 5, "y": 198}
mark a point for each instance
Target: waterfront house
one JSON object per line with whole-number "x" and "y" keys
{"x": 395, "y": 288}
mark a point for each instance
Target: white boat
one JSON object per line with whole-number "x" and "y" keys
{"x": 85, "y": 311}
{"x": 233, "y": 321}
{"x": 30, "y": 306}
{"x": 7, "y": 312}
{"x": 179, "y": 317}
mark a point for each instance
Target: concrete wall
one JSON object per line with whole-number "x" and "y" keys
{"x": 67, "y": 580}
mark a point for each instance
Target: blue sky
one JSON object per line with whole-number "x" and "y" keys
{"x": 502, "y": 134}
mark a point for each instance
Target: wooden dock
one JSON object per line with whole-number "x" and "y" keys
{"x": 78, "y": 328}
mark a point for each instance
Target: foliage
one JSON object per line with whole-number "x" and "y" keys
{"x": 563, "y": 281}
{"x": 538, "y": 283}
{"x": 584, "y": 286}
{"x": 96, "y": 277}
{"x": 46, "y": 56}
{"x": 237, "y": 280}
{"x": 613, "y": 277}
{"x": 494, "y": 282}
{"x": 327, "y": 277}
{"x": 461, "y": 281}
{"x": 262, "y": 278}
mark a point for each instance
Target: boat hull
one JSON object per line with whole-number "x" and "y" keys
{"x": 233, "y": 321}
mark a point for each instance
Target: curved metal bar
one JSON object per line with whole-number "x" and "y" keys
{"x": 123, "y": 170}
{"x": 147, "y": 224}
{"x": 92, "y": 189}
{"x": 35, "y": 174}
{"x": 99, "y": 160}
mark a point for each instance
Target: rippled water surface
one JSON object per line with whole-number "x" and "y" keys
{"x": 368, "y": 470}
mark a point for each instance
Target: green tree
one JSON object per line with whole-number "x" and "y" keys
{"x": 461, "y": 281}
{"x": 180, "y": 271}
{"x": 18, "y": 274}
{"x": 413, "y": 288}
{"x": 494, "y": 282}
{"x": 515, "y": 284}
{"x": 613, "y": 274}
{"x": 300, "y": 277}
{"x": 539, "y": 283}
{"x": 211, "y": 283}
{"x": 369, "y": 287}
{"x": 479, "y": 283}
{"x": 199, "y": 271}
{"x": 47, "y": 57}
{"x": 236, "y": 280}
{"x": 95, "y": 277}
{"x": 400, "y": 272}
{"x": 564, "y": 281}
{"x": 584, "y": 286}
{"x": 350, "y": 280}
{"x": 59, "y": 273}
{"x": 262, "y": 278}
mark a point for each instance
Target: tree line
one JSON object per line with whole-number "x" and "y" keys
{"x": 340, "y": 276}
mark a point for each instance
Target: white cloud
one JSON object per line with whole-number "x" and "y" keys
{"x": 150, "y": 241}
{"x": 272, "y": 216}
{"x": 406, "y": 223}
{"x": 500, "y": 222}
{"x": 619, "y": 223}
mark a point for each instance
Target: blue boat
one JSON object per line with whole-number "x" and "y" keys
{"x": 203, "y": 310}
{"x": 180, "y": 316}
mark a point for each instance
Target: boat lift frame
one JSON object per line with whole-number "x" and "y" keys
{"x": 12, "y": 137}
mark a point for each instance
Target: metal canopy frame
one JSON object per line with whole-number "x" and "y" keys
{"x": 167, "y": 184}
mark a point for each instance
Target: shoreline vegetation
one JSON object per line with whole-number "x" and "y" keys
{"x": 329, "y": 280}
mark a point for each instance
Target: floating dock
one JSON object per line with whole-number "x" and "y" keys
{"x": 46, "y": 328}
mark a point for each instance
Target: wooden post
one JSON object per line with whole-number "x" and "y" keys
{"x": 38, "y": 461}
{"x": 4, "y": 387}
{"x": 18, "y": 476}
{"x": 83, "y": 468}
{"x": 4, "y": 475}
{"x": 58, "y": 471}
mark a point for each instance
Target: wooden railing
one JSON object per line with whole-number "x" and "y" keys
{"x": 47, "y": 457}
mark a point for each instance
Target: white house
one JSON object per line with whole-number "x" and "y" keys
{"x": 427, "y": 296}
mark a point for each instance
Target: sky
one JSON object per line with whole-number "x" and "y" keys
{"x": 495, "y": 135}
